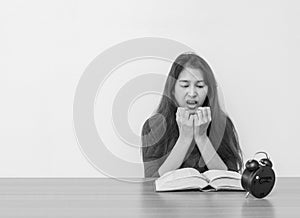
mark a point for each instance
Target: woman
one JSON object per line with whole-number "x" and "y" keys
{"x": 189, "y": 128}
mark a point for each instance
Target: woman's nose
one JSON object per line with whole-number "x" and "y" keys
{"x": 192, "y": 91}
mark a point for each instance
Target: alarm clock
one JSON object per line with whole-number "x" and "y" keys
{"x": 258, "y": 177}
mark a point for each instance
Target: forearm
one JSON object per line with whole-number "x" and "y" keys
{"x": 209, "y": 154}
{"x": 176, "y": 156}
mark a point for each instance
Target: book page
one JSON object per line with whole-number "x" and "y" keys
{"x": 181, "y": 173}
{"x": 227, "y": 184}
{"x": 181, "y": 184}
{"x": 219, "y": 174}
{"x": 190, "y": 178}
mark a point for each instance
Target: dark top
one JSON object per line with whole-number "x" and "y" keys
{"x": 154, "y": 151}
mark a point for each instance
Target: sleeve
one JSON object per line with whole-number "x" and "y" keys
{"x": 153, "y": 146}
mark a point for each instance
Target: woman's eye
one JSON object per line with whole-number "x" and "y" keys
{"x": 185, "y": 86}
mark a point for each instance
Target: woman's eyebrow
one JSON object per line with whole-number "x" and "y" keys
{"x": 186, "y": 81}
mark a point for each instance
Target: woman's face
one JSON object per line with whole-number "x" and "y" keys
{"x": 190, "y": 89}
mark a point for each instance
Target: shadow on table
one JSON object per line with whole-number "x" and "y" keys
{"x": 253, "y": 207}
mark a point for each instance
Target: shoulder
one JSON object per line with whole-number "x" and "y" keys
{"x": 231, "y": 126}
{"x": 230, "y": 131}
{"x": 229, "y": 121}
{"x": 156, "y": 122}
{"x": 153, "y": 131}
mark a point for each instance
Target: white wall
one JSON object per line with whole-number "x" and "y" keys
{"x": 252, "y": 46}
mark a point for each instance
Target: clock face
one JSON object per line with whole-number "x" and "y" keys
{"x": 263, "y": 182}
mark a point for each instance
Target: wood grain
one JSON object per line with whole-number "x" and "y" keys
{"x": 104, "y": 197}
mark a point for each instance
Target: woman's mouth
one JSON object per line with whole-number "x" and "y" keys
{"x": 191, "y": 104}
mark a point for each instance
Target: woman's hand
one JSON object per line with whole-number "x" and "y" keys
{"x": 185, "y": 124}
{"x": 202, "y": 119}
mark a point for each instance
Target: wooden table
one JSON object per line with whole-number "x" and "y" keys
{"x": 103, "y": 197}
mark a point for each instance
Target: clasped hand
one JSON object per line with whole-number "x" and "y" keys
{"x": 193, "y": 124}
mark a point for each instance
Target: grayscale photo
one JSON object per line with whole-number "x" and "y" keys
{"x": 149, "y": 108}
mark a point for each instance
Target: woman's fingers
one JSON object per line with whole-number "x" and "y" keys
{"x": 186, "y": 115}
{"x": 200, "y": 115}
{"x": 178, "y": 118}
{"x": 183, "y": 116}
{"x": 188, "y": 118}
{"x": 209, "y": 114}
{"x": 204, "y": 114}
{"x": 179, "y": 115}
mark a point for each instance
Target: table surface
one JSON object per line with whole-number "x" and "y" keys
{"x": 103, "y": 197}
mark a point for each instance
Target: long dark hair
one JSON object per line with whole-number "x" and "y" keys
{"x": 163, "y": 125}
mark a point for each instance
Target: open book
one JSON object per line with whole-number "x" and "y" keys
{"x": 190, "y": 178}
